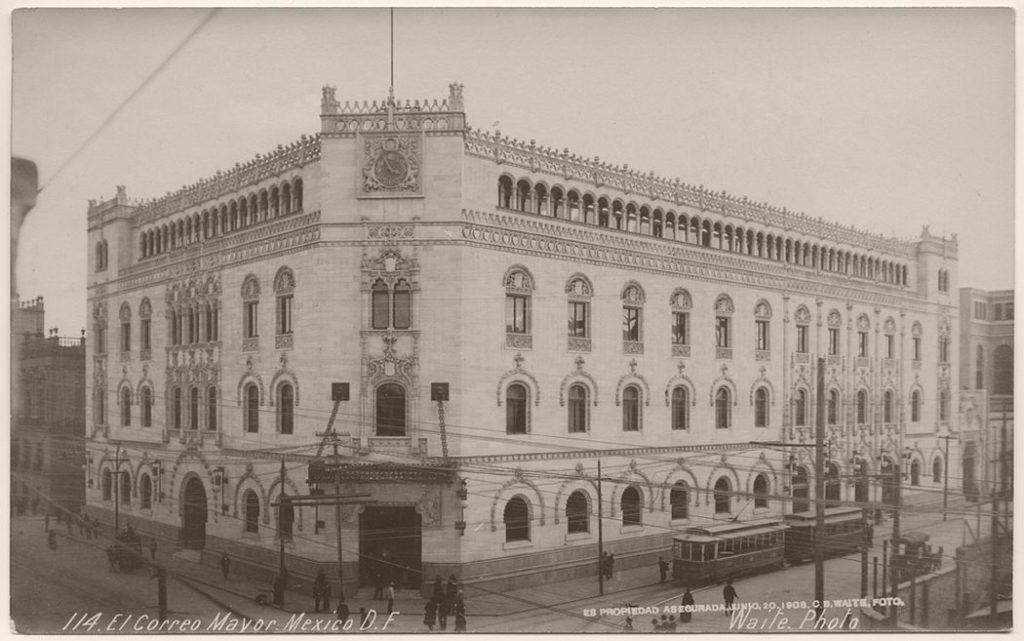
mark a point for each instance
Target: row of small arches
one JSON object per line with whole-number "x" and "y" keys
{"x": 279, "y": 200}
{"x": 614, "y": 213}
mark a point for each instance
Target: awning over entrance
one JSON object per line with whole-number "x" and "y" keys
{"x": 327, "y": 472}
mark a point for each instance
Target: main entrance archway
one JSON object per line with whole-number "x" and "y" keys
{"x": 193, "y": 515}
{"x": 390, "y": 543}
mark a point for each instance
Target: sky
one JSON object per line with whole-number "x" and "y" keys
{"x": 886, "y": 119}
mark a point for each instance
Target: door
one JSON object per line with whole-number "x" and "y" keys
{"x": 193, "y": 515}
{"x": 390, "y": 543}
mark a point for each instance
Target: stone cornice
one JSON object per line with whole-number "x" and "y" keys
{"x": 287, "y": 234}
{"x": 534, "y": 158}
{"x": 708, "y": 448}
{"x": 278, "y": 161}
{"x": 551, "y": 238}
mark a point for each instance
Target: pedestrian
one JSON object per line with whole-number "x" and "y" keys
{"x": 326, "y": 595}
{"x": 687, "y": 604}
{"x": 628, "y": 625}
{"x": 430, "y": 614}
{"x": 362, "y": 618}
{"x": 46, "y": 523}
{"x": 438, "y": 588}
{"x": 611, "y": 565}
{"x": 390, "y": 594}
{"x": 452, "y": 589}
{"x": 342, "y": 611}
{"x": 152, "y": 552}
{"x": 662, "y": 568}
{"x": 51, "y": 538}
{"x": 671, "y": 623}
{"x": 729, "y": 594}
{"x": 378, "y": 579}
{"x": 663, "y": 626}
{"x": 318, "y": 590}
{"x": 460, "y": 616}
{"x": 443, "y": 607}
{"x": 655, "y": 625}
{"x": 81, "y": 526}
{"x": 225, "y": 561}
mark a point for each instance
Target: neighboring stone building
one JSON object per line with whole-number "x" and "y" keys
{"x": 580, "y": 313}
{"x": 986, "y": 376}
{"x": 48, "y": 414}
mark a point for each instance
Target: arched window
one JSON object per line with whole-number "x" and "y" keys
{"x": 286, "y": 408}
{"x": 680, "y": 408}
{"x": 979, "y": 375}
{"x": 145, "y": 492}
{"x": 126, "y": 407}
{"x": 632, "y": 318}
{"x": 862, "y": 407}
{"x": 518, "y": 293}
{"x": 832, "y": 485}
{"x": 577, "y": 513}
{"x": 284, "y": 288}
{"x": 252, "y": 512}
{"x": 107, "y": 484}
{"x": 761, "y": 407}
{"x": 887, "y": 406}
{"x": 193, "y": 408}
{"x": 937, "y": 470}
{"x": 125, "y": 488}
{"x": 760, "y": 491}
{"x": 630, "y": 506}
{"x": 577, "y": 409}
{"x": 801, "y": 490}
{"x": 631, "y": 409}
{"x": 176, "y": 408}
{"x": 390, "y": 410}
{"x": 723, "y": 490}
{"x": 833, "y": 407}
{"x": 403, "y": 305}
{"x": 251, "y": 307}
{"x": 679, "y": 500}
{"x": 211, "y": 409}
{"x": 517, "y": 520}
{"x": 915, "y": 406}
{"x": 379, "y": 305}
{"x": 1002, "y": 370}
{"x": 722, "y": 418}
{"x": 252, "y": 408}
{"x": 515, "y": 409}
{"x": 147, "y": 407}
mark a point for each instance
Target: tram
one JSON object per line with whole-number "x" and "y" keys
{"x": 713, "y": 553}
{"x": 845, "y": 531}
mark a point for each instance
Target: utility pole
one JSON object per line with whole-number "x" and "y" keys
{"x": 281, "y": 584}
{"x": 117, "y": 491}
{"x": 337, "y": 519}
{"x": 819, "y": 491}
{"x": 945, "y": 469}
{"x": 600, "y": 533}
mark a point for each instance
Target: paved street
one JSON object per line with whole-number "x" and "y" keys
{"x": 50, "y": 586}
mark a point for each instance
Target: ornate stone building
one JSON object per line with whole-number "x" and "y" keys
{"x": 580, "y": 313}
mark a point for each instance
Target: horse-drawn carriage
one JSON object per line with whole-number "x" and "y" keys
{"x": 913, "y": 556}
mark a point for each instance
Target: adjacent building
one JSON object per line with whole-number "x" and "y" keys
{"x": 48, "y": 414}
{"x": 508, "y": 319}
{"x": 986, "y": 375}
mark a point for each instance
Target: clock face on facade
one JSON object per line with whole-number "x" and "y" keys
{"x": 390, "y": 168}
{"x": 391, "y": 165}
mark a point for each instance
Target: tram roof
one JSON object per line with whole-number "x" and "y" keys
{"x": 707, "y": 534}
{"x": 832, "y": 515}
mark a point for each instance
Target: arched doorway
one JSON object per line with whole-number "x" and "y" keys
{"x": 861, "y": 492}
{"x": 193, "y": 515}
{"x": 888, "y": 473}
{"x": 391, "y": 545}
{"x": 969, "y": 482}
{"x": 801, "y": 490}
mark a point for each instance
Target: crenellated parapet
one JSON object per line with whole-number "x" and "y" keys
{"x": 282, "y": 159}
{"x": 537, "y": 158}
{"x": 445, "y": 115}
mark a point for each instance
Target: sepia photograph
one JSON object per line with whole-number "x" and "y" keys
{"x": 524, "y": 320}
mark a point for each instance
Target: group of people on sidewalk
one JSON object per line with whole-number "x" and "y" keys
{"x": 668, "y": 622}
{"x": 444, "y": 602}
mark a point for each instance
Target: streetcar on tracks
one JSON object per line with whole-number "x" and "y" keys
{"x": 846, "y": 531}
{"x": 713, "y": 553}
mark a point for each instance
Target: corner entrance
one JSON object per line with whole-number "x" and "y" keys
{"x": 390, "y": 545}
{"x": 193, "y": 515}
